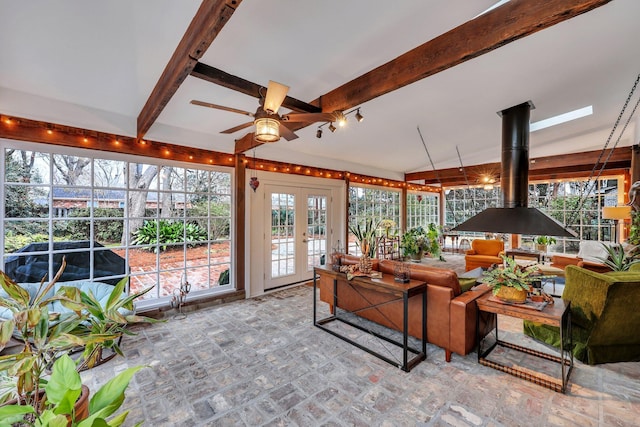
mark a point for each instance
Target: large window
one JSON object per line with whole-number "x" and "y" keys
{"x": 422, "y": 209}
{"x": 372, "y": 203}
{"x": 578, "y": 205}
{"x": 465, "y": 202}
{"x": 158, "y": 224}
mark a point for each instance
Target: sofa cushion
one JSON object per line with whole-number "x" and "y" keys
{"x": 593, "y": 250}
{"x": 466, "y": 284}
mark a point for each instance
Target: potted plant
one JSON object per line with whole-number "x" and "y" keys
{"x": 542, "y": 242}
{"x": 366, "y": 237}
{"x": 618, "y": 259}
{"x": 44, "y": 335}
{"x": 62, "y": 390}
{"x": 510, "y": 282}
{"x": 367, "y": 240}
{"x": 418, "y": 241}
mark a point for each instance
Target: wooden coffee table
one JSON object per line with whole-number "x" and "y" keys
{"x": 557, "y": 314}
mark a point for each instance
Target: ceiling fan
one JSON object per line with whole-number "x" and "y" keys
{"x": 268, "y": 123}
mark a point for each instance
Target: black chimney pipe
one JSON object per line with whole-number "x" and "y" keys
{"x": 515, "y": 216}
{"x": 514, "y": 177}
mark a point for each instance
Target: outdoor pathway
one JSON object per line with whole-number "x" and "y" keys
{"x": 261, "y": 362}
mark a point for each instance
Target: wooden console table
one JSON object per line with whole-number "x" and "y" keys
{"x": 386, "y": 285}
{"x": 558, "y": 314}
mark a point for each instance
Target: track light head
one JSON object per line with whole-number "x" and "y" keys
{"x": 332, "y": 128}
{"x": 359, "y": 117}
{"x": 319, "y": 133}
{"x": 342, "y": 120}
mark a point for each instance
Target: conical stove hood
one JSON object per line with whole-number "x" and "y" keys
{"x": 515, "y": 217}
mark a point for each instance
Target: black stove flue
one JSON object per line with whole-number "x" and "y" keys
{"x": 515, "y": 216}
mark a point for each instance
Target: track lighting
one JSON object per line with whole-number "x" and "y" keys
{"x": 342, "y": 120}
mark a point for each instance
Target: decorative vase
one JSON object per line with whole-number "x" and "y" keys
{"x": 417, "y": 257}
{"x": 366, "y": 264}
{"x": 513, "y": 295}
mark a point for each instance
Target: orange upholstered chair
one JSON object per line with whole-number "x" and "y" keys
{"x": 483, "y": 253}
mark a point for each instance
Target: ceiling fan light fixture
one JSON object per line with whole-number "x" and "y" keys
{"x": 276, "y": 93}
{"x": 267, "y": 130}
{"x": 359, "y": 117}
{"x": 332, "y": 128}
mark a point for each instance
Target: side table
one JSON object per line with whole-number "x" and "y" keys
{"x": 558, "y": 314}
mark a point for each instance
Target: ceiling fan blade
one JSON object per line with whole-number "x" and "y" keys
{"x": 237, "y": 128}
{"x": 310, "y": 117}
{"x": 276, "y": 92}
{"x": 287, "y": 133}
{"x": 221, "y": 107}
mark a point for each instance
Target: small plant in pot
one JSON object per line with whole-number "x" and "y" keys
{"x": 43, "y": 335}
{"x": 543, "y": 242}
{"x": 511, "y": 282}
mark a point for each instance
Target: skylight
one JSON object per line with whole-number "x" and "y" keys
{"x": 499, "y": 3}
{"x": 561, "y": 118}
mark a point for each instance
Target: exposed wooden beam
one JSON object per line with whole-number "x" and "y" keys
{"x": 509, "y": 22}
{"x": 246, "y": 143}
{"x": 222, "y": 78}
{"x": 22, "y": 129}
{"x": 539, "y": 168}
{"x": 209, "y": 20}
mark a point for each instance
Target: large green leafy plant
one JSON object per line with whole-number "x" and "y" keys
{"x": 165, "y": 232}
{"x": 62, "y": 391}
{"x": 510, "y": 274}
{"x": 422, "y": 240}
{"x": 618, "y": 259}
{"x": 45, "y": 336}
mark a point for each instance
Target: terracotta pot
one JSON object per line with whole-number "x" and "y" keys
{"x": 81, "y": 408}
{"x": 513, "y": 295}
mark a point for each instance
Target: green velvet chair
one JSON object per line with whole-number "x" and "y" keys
{"x": 605, "y": 316}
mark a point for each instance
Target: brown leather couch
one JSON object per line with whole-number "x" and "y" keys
{"x": 451, "y": 313}
{"x": 483, "y": 253}
{"x": 561, "y": 261}
{"x": 590, "y": 256}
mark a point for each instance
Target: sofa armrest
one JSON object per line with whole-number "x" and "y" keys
{"x": 561, "y": 261}
{"x": 462, "y": 329}
{"x": 594, "y": 266}
{"x": 471, "y": 252}
{"x": 438, "y": 309}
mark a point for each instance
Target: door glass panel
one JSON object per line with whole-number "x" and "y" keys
{"x": 282, "y": 234}
{"x": 316, "y": 230}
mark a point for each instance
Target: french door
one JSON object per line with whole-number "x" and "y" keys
{"x": 296, "y": 233}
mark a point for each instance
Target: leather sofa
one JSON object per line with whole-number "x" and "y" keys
{"x": 451, "y": 312}
{"x": 483, "y": 253}
{"x": 590, "y": 256}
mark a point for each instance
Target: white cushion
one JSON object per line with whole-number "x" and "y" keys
{"x": 593, "y": 250}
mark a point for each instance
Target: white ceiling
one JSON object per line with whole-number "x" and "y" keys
{"x": 94, "y": 64}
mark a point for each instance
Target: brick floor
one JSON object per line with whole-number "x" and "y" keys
{"x": 261, "y": 362}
